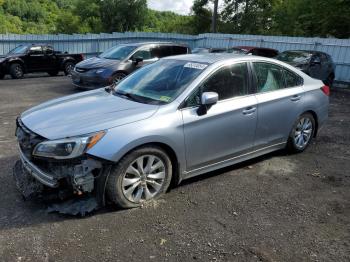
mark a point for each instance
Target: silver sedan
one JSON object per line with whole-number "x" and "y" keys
{"x": 177, "y": 118}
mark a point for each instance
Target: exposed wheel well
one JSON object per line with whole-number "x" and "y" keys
{"x": 313, "y": 113}
{"x": 17, "y": 62}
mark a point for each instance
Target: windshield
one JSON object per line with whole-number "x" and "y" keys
{"x": 118, "y": 52}
{"x": 19, "y": 50}
{"x": 294, "y": 57}
{"x": 160, "y": 82}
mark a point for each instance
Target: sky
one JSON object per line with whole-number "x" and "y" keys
{"x": 178, "y": 6}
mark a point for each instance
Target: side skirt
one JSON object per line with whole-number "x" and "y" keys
{"x": 233, "y": 160}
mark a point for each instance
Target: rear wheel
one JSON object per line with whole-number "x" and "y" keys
{"x": 68, "y": 68}
{"x": 16, "y": 71}
{"x": 302, "y": 133}
{"x": 142, "y": 175}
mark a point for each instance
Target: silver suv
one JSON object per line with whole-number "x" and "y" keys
{"x": 174, "y": 119}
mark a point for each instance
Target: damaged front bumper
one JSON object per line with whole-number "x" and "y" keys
{"x": 74, "y": 186}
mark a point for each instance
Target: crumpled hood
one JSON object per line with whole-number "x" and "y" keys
{"x": 84, "y": 113}
{"x": 96, "y": 62}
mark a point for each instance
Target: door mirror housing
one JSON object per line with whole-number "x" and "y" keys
{"x": 208, "y": 99}
{"x": 137, "y": 60}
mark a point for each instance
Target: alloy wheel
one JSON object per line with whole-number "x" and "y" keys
{"x": 303, "y": 132}
{"x": 144, "y": 178}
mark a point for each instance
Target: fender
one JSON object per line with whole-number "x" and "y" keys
{"x": 12, "y": 60}
{"x": 65, "y": 60}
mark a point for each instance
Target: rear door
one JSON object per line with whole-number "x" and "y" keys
{"x": 279, "y": 95}
{"x": 228, "y": 128}
{"x": 50, "y": 60}
{"x": 147, "y": 53}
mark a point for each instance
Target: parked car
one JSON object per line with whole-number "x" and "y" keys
{"x": 316, "y": 64}
{"x": 131, "y": 141}
{"x": 117, "y": 62}
{"x": 203, "y": 50}
{"x": 259, "y": 51}
{"x": 37, "y": 58}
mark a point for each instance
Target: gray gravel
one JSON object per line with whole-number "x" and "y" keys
{"x": 275, "y": 208}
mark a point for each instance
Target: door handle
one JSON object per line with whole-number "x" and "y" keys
{"x": 249, "y": 110}
{"x": 295, "y": 98}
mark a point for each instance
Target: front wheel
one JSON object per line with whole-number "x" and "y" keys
{"x": 302, "y": 133}
{"x": 68, "y": 68}
{"x": 118, "y": 77}
{"x": 140, "y": 176}
{"x": 16, "y": 71}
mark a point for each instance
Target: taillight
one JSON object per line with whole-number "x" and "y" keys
{"x": 326, "y": 90}
{"x": 82, "y": 57}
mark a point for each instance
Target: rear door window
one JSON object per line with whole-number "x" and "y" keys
{"x": 269, "y": 77}
{"x": 163, "y": 51}
{"x": 292, "y": 79}
{"x": 36, "y": 50}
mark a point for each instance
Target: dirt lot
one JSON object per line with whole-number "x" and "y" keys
{"x": 274, "y": 208}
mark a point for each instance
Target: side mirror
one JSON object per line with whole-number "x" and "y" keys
{"x": 208, "y": 99}
{"x": 137, "y": 60}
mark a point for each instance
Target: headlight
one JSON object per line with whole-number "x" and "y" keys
{"x": 67, "y": 148}
{"x": 100, "y": 71}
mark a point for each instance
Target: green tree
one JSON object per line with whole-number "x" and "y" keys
{"x": 123, "y": 15}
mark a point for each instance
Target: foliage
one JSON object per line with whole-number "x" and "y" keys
{"x": 323, "y": 18}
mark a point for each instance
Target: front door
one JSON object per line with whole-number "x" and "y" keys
{"x": 227, "y": 129}
{"x": 35, "y": 59}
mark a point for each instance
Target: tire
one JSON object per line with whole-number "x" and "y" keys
{"x": 53, "y": 73}
{"x": 68, "y": 67}
{"x": 118, "y": 77}
{"x": 16, "y": 71}
{"x": 302, "y": 133}
{"x": 127, "y": 188}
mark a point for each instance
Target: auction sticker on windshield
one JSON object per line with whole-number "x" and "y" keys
{"x": 195, "y": 65}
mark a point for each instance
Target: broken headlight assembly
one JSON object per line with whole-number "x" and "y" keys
{"x": 67, "y": 148}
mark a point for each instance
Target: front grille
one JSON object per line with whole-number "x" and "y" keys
{"x": 27, "y": 139}
{"x": 81, "y": 70}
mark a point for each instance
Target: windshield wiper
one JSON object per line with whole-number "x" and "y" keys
{"x": 127, "y": 95}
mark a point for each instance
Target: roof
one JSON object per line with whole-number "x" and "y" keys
{"x": 137, "y": 44}
{"x": 307, "y": 51}
{"x": 248, "y": 48}
{"x": 208, "y": 58}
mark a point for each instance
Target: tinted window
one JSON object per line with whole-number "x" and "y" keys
{"x": 227, "y": 82}
{"x": 179, "y": 50}
{"x": 269, "y": 77}
{"x": 163, "y": 51}
{"x": 36, "y": 50}
{"x": 144, "y": 53}
{"x": 292, "y": 79}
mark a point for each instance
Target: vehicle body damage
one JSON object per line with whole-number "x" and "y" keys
{"x": 130, "y": 142}
{"x": 56, "y": 180}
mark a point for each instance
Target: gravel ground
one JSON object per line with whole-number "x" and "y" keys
{"x": 275, "y": 208}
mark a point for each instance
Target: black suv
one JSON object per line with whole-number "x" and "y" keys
{"x": 117, "y": 62}
{"x": 316, "y": 64}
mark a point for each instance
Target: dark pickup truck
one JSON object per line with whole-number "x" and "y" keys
{"x": 37, "y": 58}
